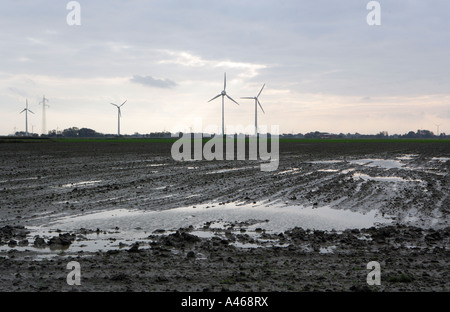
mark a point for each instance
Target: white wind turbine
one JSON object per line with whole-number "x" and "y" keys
{"x": 119, "y": 114}
{"x": 256, "y": 108}
{"x": 26, "y": 110}
{"x": 223, "y": 94}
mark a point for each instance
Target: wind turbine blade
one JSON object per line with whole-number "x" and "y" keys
{"x": 224, "y": 81}
{"x": 232, "y": 99}
{"x": 23, "y": 111}
{"x": 215, "y": 97}
{"x": 260, "y": 106}
{"x": 114, "y": 105}
{"x": 260, "y": 91}
{"x": 30, "y": 111}
{"x": 248, "y": 97}
{"x": 120, "y": 113}
{"x": 124, "y": 102}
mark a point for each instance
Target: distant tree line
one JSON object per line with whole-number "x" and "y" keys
{"x": 419, "y": 134}
{"x": 75, "y": 132}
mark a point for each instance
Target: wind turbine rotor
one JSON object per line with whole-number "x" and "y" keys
{"x": 256, "y": 98}
{"x": 260, "y": 105}
{"x": 231, "y": 99}
{"x": 223, "y": 94}
{"x": 260, "y": 90}
{"x": 224, "y": 81}
{"x": 215, "y": 97}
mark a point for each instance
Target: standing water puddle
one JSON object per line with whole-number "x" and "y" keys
{"x": 381, "y": 163}
{"x": 275, "y": 218}
{"x": 113, "y": 229}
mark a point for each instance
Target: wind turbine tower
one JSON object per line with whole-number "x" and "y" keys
{"x": 119, "y": 114}
{"x": 26, "y": 110}
{"x": 256, "y": 108}
{"x": 44, "y": 123}
{"x": 223, "y": 94}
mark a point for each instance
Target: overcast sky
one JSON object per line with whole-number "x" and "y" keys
{"x": 324, "y": 67}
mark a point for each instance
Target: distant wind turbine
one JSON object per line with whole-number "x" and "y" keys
{"x": 256, "y": 108}
{"x": 119, "y": 114}
{"x": 223, "y": 94}
{"x": 26, "y": 110}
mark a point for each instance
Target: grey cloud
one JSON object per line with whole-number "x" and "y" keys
{"x": 17, "y": 91}
{"x": 149, "y": 81}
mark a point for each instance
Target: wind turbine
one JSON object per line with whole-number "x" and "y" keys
{"x": 119, "y": 114}
{"x": 223, "y": 94}
{"x": 256, "y": 108}
{"x": 26, "y": 110}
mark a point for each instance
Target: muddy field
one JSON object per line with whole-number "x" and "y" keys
{"x": 224, "y": 225}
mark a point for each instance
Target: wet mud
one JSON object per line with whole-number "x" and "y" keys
{"x": 44, "y": 183}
